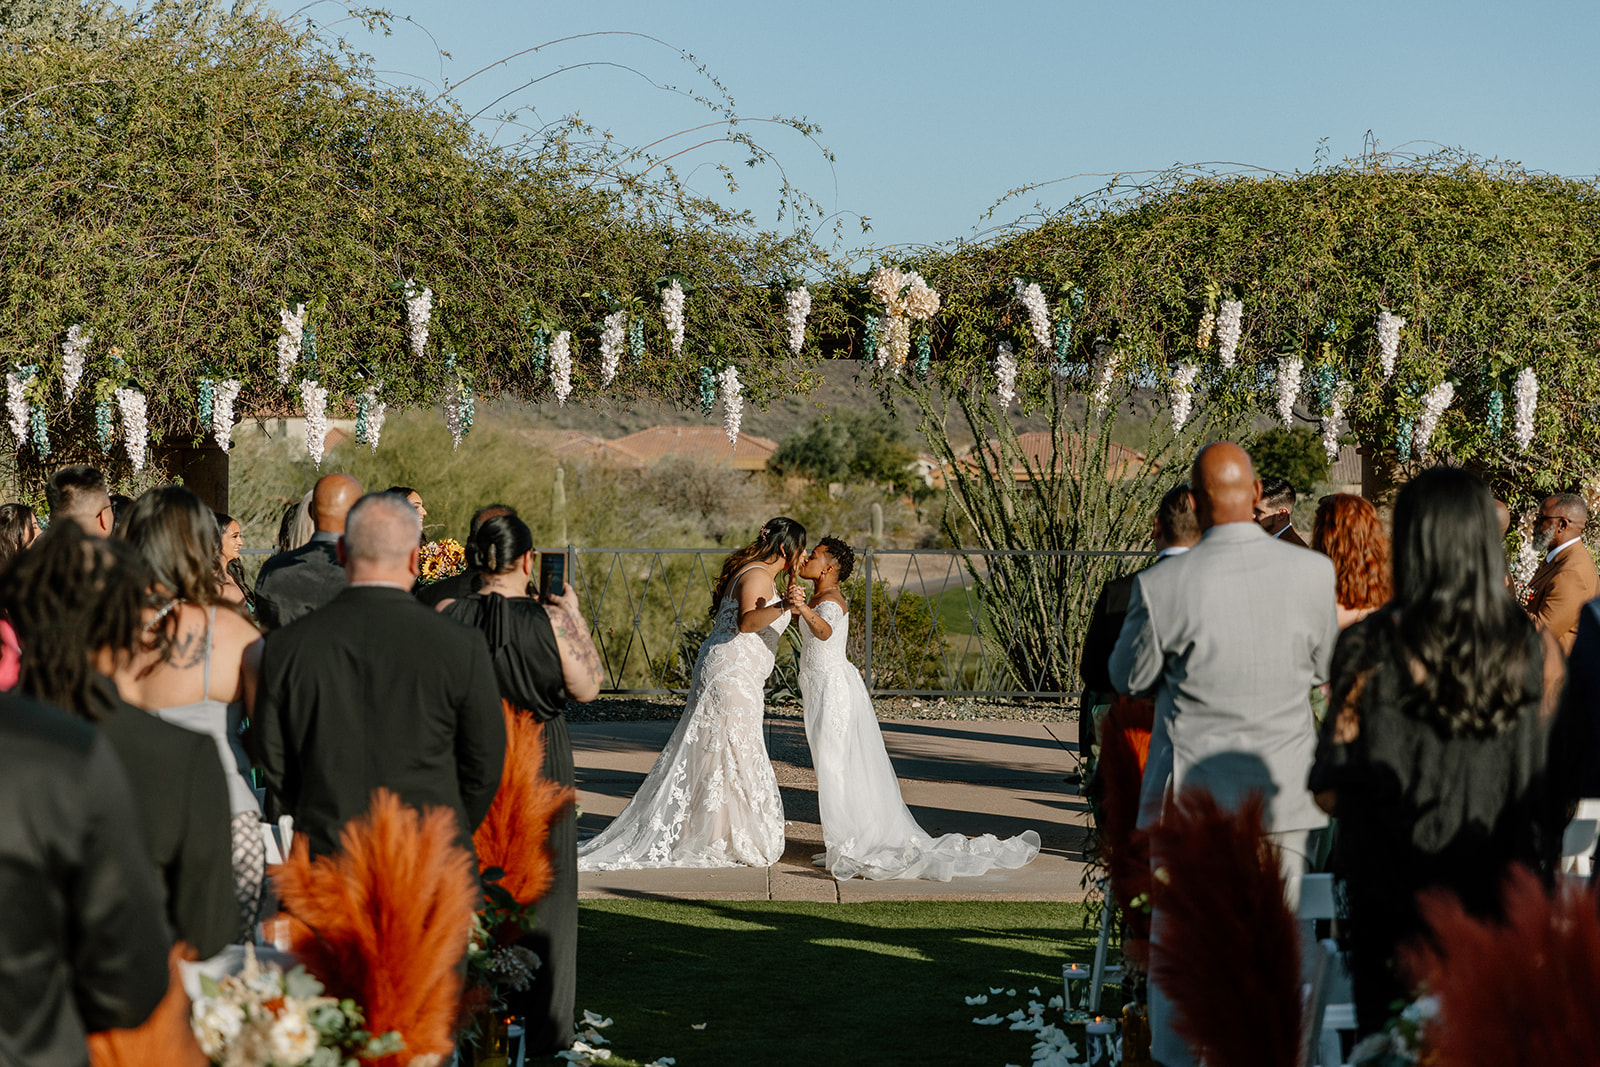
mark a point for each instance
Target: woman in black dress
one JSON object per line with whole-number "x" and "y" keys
{"x": 543, "y": 657}
{"x": 1433, "y": 756}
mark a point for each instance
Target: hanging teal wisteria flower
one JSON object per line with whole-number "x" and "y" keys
{"x": 1323, "y": 381}
{"x": 541, "y": 349}
{"x": 1407, "y": 431}
{"x": 708, "y": 391}
{"x": 103, "y": 435}
{"x": 1497, "y": 413}
{"x": 1063, "y": 339}
{"x": 40, "y": 430}
{"x": 873, "y": 337}
{"x": 924, "y": 355}
{"x": 208, "y": 397}
{"x": 636, "y": 338}
{"x": 308, "y": 351}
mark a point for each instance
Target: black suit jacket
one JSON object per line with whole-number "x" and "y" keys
{"x": 292, "y": 585}
{"x": 1291, "y": 536}
{"x": 375, "y": 690}
{"x": 83, "y": 941}
{"x": 1105, "y": 624}
{"x": 182, "y": 799}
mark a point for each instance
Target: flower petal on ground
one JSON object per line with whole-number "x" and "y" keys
{"x": 979, "y": 999}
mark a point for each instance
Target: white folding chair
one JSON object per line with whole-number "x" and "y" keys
{"x": 1101, "y": 972}
{"x": 1338, "y": 1010}
{"x": 1577, "y": 843}
{"x": 278, "y": 838}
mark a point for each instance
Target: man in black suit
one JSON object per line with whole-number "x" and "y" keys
{"x": 83, "y": 941}
{"x": 1173, "y": 531}
{"x": 377, "y": 691}
{"x": 1275, "y": 512}
{"x": 296, "y": 583}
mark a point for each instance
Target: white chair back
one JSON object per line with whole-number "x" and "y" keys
{"x": 1577, "y": 843}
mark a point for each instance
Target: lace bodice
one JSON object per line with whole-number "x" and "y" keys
{"x": 727, "y": 622}
{"x": 817, "y": 654}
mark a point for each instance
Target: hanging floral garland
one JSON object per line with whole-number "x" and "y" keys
{"x": 459, "y": 405}
{"x": 636, "y": 338}
{"x": 1496, "y": 421}
{"x": 1290, "y": 368}
{"x": 732, "y": 402}
{"x": 672, "y": 297}
{"x": 17, "y": 402}
{"x": 205, "y": 398}
{"x": 135, "y": 425}
{"x": 612, "y": 338}
{"x": 796, "y": 309}
{"x": 224, "y": 393}
{"x": 561, "y": 366}
{"x": 1230, "y": 327}
{"x": 73, "y": 354}
{"x": 1434, "y": 402}
{"x": 419, "y": 310}
{"x": 1031, "y": 297}
{"x": 1524, "y": 402}
{"x": 869, "y": 341}
{"x": 541, "y": 349}
{"x": 1208, "y": 318}
{"x": 1183, "y": 393}
{"x": 104, "y": 402}
{"x": 370, "y": 413}
{"x": 1105, "y": 375}
{"x": 314, "y": 398}
{"x": 924, "y": 355}
{"x": 1338, "y": 400}
{"x": 708, "y": 391}
{"x": 1005, "y": 374}
{"x": 906, "y": 298}
{"x": 292, "y": 326}
{"x": 1388, "y": 340}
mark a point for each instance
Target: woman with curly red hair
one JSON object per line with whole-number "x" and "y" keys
{"x": 1347, "y": 531}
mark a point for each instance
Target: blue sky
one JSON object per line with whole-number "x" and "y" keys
{"x": 935, "y": 110}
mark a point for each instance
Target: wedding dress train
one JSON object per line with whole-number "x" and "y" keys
{"x": 866, "y": 826}
{"x": 711, "y": 800}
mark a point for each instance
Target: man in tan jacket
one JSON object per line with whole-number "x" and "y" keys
{"x": 1566, "y": 580}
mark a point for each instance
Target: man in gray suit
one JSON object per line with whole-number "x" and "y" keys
{"x": 1230, "y": 638}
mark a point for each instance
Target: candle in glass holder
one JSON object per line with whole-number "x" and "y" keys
{"x": 1101, "y": 1033}
{"x": 1072, "y": 972}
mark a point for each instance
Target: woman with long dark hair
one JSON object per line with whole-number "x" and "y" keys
{"x": 711, "y": 799}
{"x": 194, "y": 671}
{"x": 231, "y": 585}
{"x": 543, "y": 657}
{"x": 1433, "y": 754}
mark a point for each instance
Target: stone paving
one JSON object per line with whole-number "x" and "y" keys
{"x": 967, "y": 777}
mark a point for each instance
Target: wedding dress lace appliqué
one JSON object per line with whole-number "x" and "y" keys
{"x": 866, "y": 826}
{"x": 711, "y": 800}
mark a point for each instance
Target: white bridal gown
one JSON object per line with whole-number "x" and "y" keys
{"x": 866, "y": 827}
{"x": 711, "y": 799}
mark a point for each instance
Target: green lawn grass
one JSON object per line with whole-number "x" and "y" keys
{"x": 818, "y": 983}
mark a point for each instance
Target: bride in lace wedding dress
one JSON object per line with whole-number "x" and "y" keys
{"x": 711, "y": 800}
{"x": 866, "y": 826}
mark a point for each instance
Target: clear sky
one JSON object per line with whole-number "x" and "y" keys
{"x": 936, "y": 109}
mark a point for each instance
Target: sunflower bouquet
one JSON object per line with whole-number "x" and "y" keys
{"x": 443, "y": 558}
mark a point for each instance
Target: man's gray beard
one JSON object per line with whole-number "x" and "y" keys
{"x": 1542, "y": 539}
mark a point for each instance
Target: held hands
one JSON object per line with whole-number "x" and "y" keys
{"x": 795, "y": 598}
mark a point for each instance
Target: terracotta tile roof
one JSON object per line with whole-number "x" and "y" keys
{"x": 575, "y": 444}
{"x": 709, "y": 444}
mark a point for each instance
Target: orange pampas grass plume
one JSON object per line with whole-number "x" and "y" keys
{"x": 1521, "y": 991}
{"x": 1230, "y": 953}
{"x": 164, "y": 1039}
{"x": 515, "y": 835}
{"x": 1124, "y": 746}
{"x": 386, "y": 920}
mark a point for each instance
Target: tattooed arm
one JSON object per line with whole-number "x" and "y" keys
{"x": 581, "y": 672}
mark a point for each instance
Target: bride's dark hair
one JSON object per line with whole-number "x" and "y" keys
{"x": 779, "y": 537}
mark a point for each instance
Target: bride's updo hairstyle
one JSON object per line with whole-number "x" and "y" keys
{"x": 498, "y": 544}
{"x": 779, "y": 537}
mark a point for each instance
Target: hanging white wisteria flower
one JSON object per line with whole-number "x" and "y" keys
{"x": 796, "y": 309}
{"x": 17, "y": 405}
{"x": 1208, "y": 328}
{"x": 1230, "y": 327}
{"x": 1104, "y": 375}
{"x": 292, "y": 331}
{"x": 1289, "y": 371}
{"x": 1183, "y": 393}
{"x": 672, "y": 314}
{"x": 561, "y": 366}
{"x": 1526, "y": 563}
{"x": 1524, "y": 402}
{"x": 732, "y": 402}
{"x": 73, "y": 352}
{"x": 419, "y": 309}
{"x": 135, "y": 424}
{"x": 314, "y": 398}
{"x": 1031, "y": 297}
{"x": 370, "y": 412}
{"x": 896, "y": 348}
{"x": 1388, "y": 340}
{"x": 1337, "y": 402}
{"x": 224, "y": 393}
{"x": 1434, "y": 401}
{"x": 1005, "y": 374}
{"x": 612, "y": 338}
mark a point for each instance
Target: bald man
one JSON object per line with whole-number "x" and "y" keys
{"x": 295, "y": 583}
{"x": 375, "y": 690}
{"x": 1229, "y": 638}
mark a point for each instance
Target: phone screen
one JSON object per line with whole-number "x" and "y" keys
{"x": 552, "y": 574}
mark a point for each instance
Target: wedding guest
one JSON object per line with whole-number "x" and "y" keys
{"x": 295, "y": 583}
{"x": 543, "y": 657}
{"x": 294, "y": 527}
{"x": 413, "y": 498}
{"x": 80, "y": 605}
{"x": 195, "y": 675}
{"x": 459, "y": 585}
{"x": 1433, "y": 754}
{"x": 409, "y": 696}
{"x": 230, "y": 577}
{"x": 1275, "y": 512}
{"x": 1347, "y": 531}
{"x": 19, "y": 527}
{"x": 1566, "y": 580}
{"x": 1173, "y": 531}
{"x": 119, "y": 513}
{"x": 1230, "y": 637}
{"x": 83, "y": 943}
{"x": 79, "y": 493}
